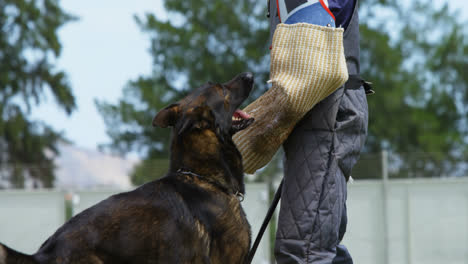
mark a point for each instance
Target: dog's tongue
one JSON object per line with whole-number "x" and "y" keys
{"x": 242, "y": 114}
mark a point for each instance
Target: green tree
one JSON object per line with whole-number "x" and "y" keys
{"x": 205, "y": 41}
{"x": 414, "y": 53}
{"x": 28, "y": 47}
{"x": 417, "y": 57}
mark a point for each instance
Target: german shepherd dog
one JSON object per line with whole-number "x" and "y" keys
{"x": 192, "y": 215}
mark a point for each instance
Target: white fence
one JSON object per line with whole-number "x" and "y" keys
{"x": 408, "y": 221}
{"x": 390, "y": 222}
{"x": 28, "y": 218}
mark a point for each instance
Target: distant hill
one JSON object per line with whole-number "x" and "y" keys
{"x": 79, "y": 168}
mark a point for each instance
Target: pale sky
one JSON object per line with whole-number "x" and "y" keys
{"x": 101, "y": 52}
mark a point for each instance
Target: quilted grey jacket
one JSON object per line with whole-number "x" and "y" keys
{"x": 319, "y": 156}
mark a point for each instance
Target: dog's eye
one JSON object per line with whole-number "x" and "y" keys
{"x": 202, "y": 125}
{"x": 226, "y": 102}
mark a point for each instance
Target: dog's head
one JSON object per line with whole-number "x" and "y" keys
{"x": 213, "y": 107}
{"x": 203, "y": 124}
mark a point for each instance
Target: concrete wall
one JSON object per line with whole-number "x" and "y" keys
{"x": 390, "y": 222}
{"x": 28, "y": 218}
{"x": 408, "y": 222}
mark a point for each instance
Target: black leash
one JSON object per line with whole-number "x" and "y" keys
{"x": 267, "y": 219}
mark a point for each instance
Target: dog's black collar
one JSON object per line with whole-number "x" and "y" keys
{"x": 239, "y": 195}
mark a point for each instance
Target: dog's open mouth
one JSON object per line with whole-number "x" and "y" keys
{"x": 240, "y": 120}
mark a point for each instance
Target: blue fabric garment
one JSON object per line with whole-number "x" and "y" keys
{"x": 315, "y": 14}
{"x": 342, "y": 10}
{"x": 312, "y": 14}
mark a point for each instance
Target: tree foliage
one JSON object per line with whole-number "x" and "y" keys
{"x": 417, "y": 57}
{"x": 28, "y": 46}
{"x": 415, "y": 54}
{"x": 204, "y": 41}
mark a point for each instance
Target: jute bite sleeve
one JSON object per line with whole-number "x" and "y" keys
{"x": 307, "y": 65}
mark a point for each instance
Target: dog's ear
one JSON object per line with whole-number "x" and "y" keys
{"x": 167, "y": 117}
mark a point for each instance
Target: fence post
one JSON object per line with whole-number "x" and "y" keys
{"x": 68, "y": 197}
{"x": 385, "y": 236}
{"x": 385, "y": 165}
{"x": 408, "y": 224}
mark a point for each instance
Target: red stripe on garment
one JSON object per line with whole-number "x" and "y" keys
{"x": 278, "y": 10}
{"x": 325, "y": 7}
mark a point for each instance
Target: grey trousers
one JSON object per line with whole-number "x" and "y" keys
{"x": 319, "y": 156}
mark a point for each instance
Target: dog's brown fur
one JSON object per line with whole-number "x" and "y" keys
{"x": 192, "y": 215}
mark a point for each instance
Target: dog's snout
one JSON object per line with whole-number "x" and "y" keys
{"x": 247, "y": 76}
{"x": 241, "y": 85}
{"x": 241, "y": 79}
